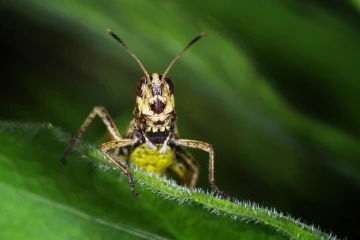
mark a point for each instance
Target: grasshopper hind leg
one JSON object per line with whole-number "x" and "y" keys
{"x": 117, "y": 143}
{"x": 107, "y": 120}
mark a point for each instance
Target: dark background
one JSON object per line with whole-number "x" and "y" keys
{"x": 274, "y": 87}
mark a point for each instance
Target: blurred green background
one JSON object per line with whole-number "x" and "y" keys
{"x": 274, "y": 86}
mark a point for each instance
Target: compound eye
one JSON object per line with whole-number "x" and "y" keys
{"x": 140, "y": 87}
{"x": 169, "y": 85}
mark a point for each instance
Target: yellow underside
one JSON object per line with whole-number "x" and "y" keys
{"x": 152, "y": 160}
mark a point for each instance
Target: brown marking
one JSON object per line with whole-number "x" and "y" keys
{"x": 169, "y": 84}
{"x": 109, "y": 121}
{"x": 159, "y": 122}
{"x": 157, "y": 107}
{"x": 142, "y": 118}
{"x": 136, "y": 112}
{"x": 139, "y": 86}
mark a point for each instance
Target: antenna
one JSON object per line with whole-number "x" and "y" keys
{"x": 130, "y": 52}
{"x": 181, "y": 53}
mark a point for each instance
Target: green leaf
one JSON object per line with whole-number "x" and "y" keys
{"x": 86, "y": 199}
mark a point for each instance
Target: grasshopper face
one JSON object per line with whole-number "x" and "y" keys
{"x": 155, "y": 104}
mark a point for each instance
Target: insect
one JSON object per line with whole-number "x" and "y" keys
{"x": 152, "y": 140}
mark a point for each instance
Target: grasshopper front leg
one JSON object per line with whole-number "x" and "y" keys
{"x": 207, "y": 148}
{"x": 105, "y": 147}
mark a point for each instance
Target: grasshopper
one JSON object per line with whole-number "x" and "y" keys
{"x": 152, "y": 140}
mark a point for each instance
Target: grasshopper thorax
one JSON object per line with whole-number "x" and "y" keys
{"x": 155, "y": 104}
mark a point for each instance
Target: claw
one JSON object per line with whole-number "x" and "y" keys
{"x": 63, "y": 161}
{"x": 135, "y": 194}
{"x": 218, "y": 191}
{"x": 221, "y": 193}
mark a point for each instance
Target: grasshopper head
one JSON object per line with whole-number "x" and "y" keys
{"x": 155, "y": 97}
{"x": 155, "y": 103}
